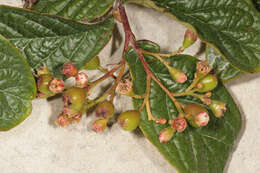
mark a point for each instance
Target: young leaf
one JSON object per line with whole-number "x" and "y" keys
{"x": 51, "y": 40}
{"x": 202, "y": 150}
{"x": 76, "y": 9}
{"x": 17, "y": 86}
{"x": 221, "y": 67}
{"x": 233, "y": 27}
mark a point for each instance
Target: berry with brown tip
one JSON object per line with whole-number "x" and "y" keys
{"x": 129, "y": 120}
{"x": 105, "y": 110}
{"x": 177, "y": 75}
{"x": 189, "y": 39}
{"x": 218, "y": 108}
{"x": 74, "y": 98}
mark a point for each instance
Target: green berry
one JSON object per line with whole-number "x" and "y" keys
{"x": 129, "y": 120}
{"x": 99, "y": 125}
{"x": 105, "y": 110}
{"x": 43, "y": 84}
{"x": 166, "y": 134}
{"x": 92, "y": 64}
{"x": 218, "y": 108}
{"x": 74, "y": 98}
{"x": 189, "y": 38}
{"x": 196, "y": 115}
{"x": 177, "y": 75}
{"x": 207, "y": 83}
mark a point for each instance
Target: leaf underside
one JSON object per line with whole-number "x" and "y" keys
{"x": 203, "y": 150}
{"x": 53, "y": 41}
{"x": 76, "y": 9}
{"x": 221, "y": 67}
{"x": 17, "y": 86}
{"x": 232, "y": 26}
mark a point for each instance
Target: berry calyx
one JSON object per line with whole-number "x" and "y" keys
{"x": 189, "y": 39}
{"x": 105, "y": 110}
{"x": 177, "y": 75}
{"x": 56, "y": 85}
{"x": 129, "y": 120}
{"x": 196, "y": 115}
{"x": 74, "y": 98}
{"x": 166, "y": 134}
{"x": 209, "y": 82}
{"x": 43, "y": 84}
{"x": 93, "y": 64}
{"x": 62, "y": 121}
{"x": 203, "y": 68}
{"x": 125, "y": 87}
{"x": 99, "y": 125}
{"x": 218, "y": 108}
{"x": 76, "y": 117}
{"x": 81, "y": 80}
{"x": 69, "y": 69}
{"x": 161, "y": 121}
{"x": 179, "y": 124}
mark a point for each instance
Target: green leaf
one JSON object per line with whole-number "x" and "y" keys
{"x": 17, "y": 86}
{"x": 221, "y": 67}
{"x": 233, "y": 27}
{"x": 257, "y": 4}
{"x": 51, "y": 40}
{"x": 202, "y": 150}
{"x": 76, "y": 9}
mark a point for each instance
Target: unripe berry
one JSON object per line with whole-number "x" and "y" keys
{"x": 62, "y": 120}
{"x": 93, "y": 64}
{"x": 81, "y": 80}
{"x": 218, "y": 108}
{"x": 189, "y": 38}
{"x": 99, "y": 125}
{"x": 179, "y": 124}
{"x": 105, "y": 110}
{"x": 43, "y": 70}
{"x": 69, "y": 69}
{"x": 196, "y": 115}
{"x": 129, "y": 120}
{"x": 43, "y": 84}
{"x": 166, "y": 134}
{"x": 209, "y": 82}
{"x": 177, "y": 75}
{"x": 56, "y": 85}
{"x": 74, "y": 98}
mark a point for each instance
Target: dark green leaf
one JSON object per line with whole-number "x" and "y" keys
{"x": 76, "y": 9}
{"x": 50, "y": 40}
{"x": 221, "y": 67}
{"x": 17, "y": 86}
{"x": 203, "y": 150}
{"x": 257, "y": 4}
{"x": 233, "y": 27}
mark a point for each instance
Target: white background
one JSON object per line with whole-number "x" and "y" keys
{"x": 38, "y": 146}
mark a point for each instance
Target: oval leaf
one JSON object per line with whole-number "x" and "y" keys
{"x": 76, "y": 9}
{"x": 221, "y": 67}
{"x": 17, "y": 86}
{"x": 233, "y": 27}
{"x": 51, "y": 40}
{"x": 203, "y": 150}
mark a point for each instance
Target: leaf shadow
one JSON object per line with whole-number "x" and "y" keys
{"x": 201, "y": 49}
{"x": 56, "y": 105}
{"x": 241, "y": 133}
{"x": 243, "y": 79}
{"x": 117, "y": 40}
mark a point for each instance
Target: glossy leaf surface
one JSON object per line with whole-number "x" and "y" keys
{"x": 232, "y": 26}
{"x": 76, "y": 9}
{"x": 50, "y": 40}
{"x": 221, "y": 67}
{"x": 17, "y": 86}
{"x": 202, "y": 150}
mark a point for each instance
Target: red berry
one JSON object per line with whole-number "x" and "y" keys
{"x": 69, "y": 69}
{"x": 56, "y": 85}
{"x": 81, "y": 80}
{"x": 179, "y": 124}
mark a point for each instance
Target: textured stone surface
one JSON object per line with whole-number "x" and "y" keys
{"x": 38, "y": 146}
